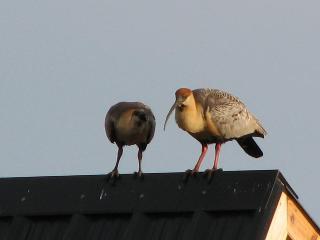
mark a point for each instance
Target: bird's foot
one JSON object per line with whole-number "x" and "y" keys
{"x": 209, "y": 173}
{"x": 189, "y": 173}
{"x": 139, "y": 175}
{"x": 113, "y": 176}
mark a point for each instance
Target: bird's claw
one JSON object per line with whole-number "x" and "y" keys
{"x": 139, "y": 175}
{"x": 209, "y": 173}
{"x": 189, "y": 173}
{"x": 113, "y": 175}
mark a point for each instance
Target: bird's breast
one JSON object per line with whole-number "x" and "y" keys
{"x": 189, "y": 121}
{"x": 201, "y": 126}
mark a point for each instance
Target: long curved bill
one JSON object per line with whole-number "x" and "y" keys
{"x": 169, "y": 113}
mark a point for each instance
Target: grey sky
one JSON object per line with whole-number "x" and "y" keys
{"x": 64, "y": 63}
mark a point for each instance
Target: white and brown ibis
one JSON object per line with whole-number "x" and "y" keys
{"x": 129, "y": 123}
{"x": 215, "y": 116}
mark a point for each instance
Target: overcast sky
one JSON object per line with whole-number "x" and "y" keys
{"x": 64, "y": 63}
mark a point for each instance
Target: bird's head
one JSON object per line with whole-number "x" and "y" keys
{"x": 182, "y": 99}
{"x": 139, "y": 116}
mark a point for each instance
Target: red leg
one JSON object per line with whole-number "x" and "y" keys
{"x": 203, "y": 153}
{"x": 216, "y": 157}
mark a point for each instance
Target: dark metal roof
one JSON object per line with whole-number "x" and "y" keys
{"x": 234, "y": 205}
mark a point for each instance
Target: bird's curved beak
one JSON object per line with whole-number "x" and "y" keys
{"x": 176, "y": 103}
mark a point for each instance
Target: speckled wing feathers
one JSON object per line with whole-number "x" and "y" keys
{"x": 228, "y": 113}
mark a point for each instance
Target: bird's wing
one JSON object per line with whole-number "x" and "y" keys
{"x": 110, "y": 126}
{"x": 152, "y": 125}
{"x": 228, "y": 114}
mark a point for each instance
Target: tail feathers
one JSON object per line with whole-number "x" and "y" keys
{"x": 260, "y": 130}
{"x": 250, "y": 147}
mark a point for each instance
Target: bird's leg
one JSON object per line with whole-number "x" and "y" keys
{"x": 203, "y": 153}
{"x": 209, "y": 172}
{"x": 114, "y": 173}
{"x": 216, "y": 157}
{"x": 197, "y": 166}
{"x": 139, "y": 173}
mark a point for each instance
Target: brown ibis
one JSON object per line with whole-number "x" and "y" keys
{"x": 129, "y": 123}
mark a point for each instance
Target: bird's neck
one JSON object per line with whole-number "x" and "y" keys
{"x": 190, "y": 117}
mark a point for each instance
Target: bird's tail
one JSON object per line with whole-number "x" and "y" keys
{"x": 250, "y": 146}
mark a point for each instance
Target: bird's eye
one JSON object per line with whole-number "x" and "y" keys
{"x": 181, "y": 107}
